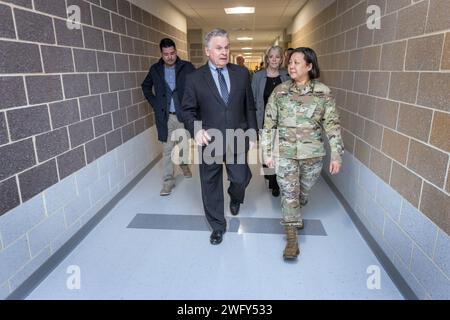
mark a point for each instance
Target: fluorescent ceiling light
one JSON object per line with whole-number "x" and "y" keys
{"x": 240, "y": 10}
{"x": 247, "y": 53}
{"x": 246, "y": 48}
{"x": 244, "y": 38}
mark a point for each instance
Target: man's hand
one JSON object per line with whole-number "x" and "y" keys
{"x": 202, "y": 137}
{"x": 270, "y": 163}
{"x": 335, "y": 167}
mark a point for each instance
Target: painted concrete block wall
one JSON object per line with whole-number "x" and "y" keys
{"x": 70, "y": 95}
{"x": 74, "y": 125}
{"x": 418, "y": 248}
{"x": 391, "y": 88}
{"x": 196, "y": 51}
{"x": 32, "y": 232}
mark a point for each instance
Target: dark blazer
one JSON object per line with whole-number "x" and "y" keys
{"x": 203, "y": 102}
{"x": 158, "y": 100}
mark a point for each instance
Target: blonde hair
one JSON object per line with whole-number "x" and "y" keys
{"x": 266, "y": 56}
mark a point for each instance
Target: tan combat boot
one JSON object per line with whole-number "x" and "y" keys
{"x": 292, "y": 250}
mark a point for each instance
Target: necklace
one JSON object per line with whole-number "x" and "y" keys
{"x": 272, "y": 72}
{"x": 273, "y": 79}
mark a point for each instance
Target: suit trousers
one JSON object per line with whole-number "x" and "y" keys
{"x": 211, "y": 178}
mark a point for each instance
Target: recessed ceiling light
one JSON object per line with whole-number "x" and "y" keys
{"x": 247, "y": 53}
{"x": 244, "y": 38}
{"x": 240, "y": 10}
{"x": 246, "y": 48}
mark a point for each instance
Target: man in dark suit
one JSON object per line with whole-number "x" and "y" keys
{"x": 167, "y": 78}
{"x": 219, "y": 95}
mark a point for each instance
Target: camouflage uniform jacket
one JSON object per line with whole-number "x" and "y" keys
{"x": 300, "y": 115}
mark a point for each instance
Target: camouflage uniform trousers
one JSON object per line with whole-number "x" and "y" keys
{"x": 296, "y": 178}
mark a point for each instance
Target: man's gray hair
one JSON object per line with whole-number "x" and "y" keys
{"x": 214, "y": 33}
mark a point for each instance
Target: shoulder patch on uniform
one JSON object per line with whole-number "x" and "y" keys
{"x": 320, "y": 87}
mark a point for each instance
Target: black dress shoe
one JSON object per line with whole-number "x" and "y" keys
{"x": 275, "y": 192}
{"x": 234, "y": 207}
{"x": 216, "y": 236}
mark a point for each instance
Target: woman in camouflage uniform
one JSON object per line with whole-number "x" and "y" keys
{"x": 297, "y": 113}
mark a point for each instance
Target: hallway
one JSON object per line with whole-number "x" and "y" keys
{"x": 175, "y": 260}
{"x": 79, "y": 145}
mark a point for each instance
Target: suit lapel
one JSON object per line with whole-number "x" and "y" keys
{"x": 212, "y": 85}
{"x": 233, "y": 81}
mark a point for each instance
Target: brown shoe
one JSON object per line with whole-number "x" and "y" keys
{"x": 186, "y": 171}
{"x": 292, "y": 250}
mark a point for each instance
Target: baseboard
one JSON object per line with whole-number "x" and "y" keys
{"x": 22, "y": 291}
{"x": 390, "y": 268}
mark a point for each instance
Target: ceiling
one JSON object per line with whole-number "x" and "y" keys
{"x": 271, "y": 17}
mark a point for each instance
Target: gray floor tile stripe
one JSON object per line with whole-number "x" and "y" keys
{"x": 313, "y": 227}
{"x": 169, "y": 222}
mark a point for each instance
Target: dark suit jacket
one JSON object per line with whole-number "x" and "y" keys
{"x": 158, "y": 100}
{"x": 203, "y": 102}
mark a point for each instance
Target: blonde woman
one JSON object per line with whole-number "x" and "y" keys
{"x": 263, "y": 83}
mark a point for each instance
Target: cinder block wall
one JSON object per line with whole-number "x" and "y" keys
{"x": 392, "y": 89}
{"x": 74, "y": 124}
{"x": 196, "y": 48}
